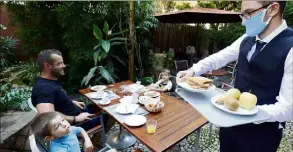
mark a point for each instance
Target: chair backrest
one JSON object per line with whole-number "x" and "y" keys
{"x": 234, "y": 74}
{"x": 35, "y": 145}
{"x": 174, "y": 83}
{"x": 181, "y": 65}
{"x": 30, "y": 104}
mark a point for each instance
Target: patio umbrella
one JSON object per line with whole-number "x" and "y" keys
{"x": 199, "y": 15}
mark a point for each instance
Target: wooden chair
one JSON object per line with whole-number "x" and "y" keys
{"x": 37, "y": 146}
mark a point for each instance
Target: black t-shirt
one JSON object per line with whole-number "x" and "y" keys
{"x": 49, "y": 91}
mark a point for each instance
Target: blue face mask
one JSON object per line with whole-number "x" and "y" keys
{"x": 255, "y": 25}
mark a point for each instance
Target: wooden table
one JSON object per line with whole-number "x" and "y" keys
{"x": 176, "y": 121}
{"x": 218, "y": 72}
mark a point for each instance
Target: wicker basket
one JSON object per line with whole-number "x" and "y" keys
{"x": 158, "y": 108}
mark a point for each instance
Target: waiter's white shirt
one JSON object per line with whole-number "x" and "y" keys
{"x": 280, "y": 111}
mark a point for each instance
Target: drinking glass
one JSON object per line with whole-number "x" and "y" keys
{"x": 151, "y": 126}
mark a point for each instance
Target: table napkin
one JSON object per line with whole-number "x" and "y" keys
{"x": 120, "y": 117}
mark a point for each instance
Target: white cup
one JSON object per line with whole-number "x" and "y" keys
{"x": 99, "y": 94}
{"x": 104, "y": 100}
{"x": 135, "y": 98}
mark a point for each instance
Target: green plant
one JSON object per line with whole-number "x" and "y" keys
{"x": 170, "y": 60}
{"x": 102, "y": 56}
{"x": 158, "y": 61}
{"x": 7, "y": 44}
{"x": 14, "y": 98}
{"x": 288, "y": 13}
{"x": 21, "y": 73}
{"x": 147, "y": 80}
{"x": 184, "y": 6}
{"x": 67, "y": 26}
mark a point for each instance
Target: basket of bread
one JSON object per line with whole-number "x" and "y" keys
{"x": 154, "y": 105}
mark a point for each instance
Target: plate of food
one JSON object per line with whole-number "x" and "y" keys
{"x": 152, "y": 94}
{"x": 98, "y": 88}
{"x": 236, "y": 103}
{"x": 197, "y": 84}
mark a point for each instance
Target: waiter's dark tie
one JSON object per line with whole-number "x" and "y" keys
{"x": 259, "y": 46}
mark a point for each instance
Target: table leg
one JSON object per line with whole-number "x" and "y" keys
{"x": 210, "y": 134}
{"x": 196, "y": 148}
{"x": 120, "y": 139}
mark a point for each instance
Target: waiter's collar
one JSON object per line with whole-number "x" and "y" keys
{"x": 276, "y": 32}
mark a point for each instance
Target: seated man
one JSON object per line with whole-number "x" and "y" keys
{"x": 48, "y": 95}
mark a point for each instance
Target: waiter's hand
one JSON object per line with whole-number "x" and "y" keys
{"x": 182, "y": 75}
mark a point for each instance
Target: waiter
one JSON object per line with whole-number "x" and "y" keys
{"x": 265, "y": 68}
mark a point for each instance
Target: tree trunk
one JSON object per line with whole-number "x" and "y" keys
{"x": 131, "y": 37}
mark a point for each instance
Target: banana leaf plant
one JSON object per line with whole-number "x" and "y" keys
{"x": 104, "y": 68}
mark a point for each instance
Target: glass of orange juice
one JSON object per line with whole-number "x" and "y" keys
{"x": 151, "y": 126}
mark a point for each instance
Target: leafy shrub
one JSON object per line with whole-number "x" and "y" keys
{"x": 21, "y": 73}
{"x": 7, "y": 44}
{"x": 14, "y": 98}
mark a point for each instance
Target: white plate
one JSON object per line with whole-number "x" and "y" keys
{"x": 239, "y": 111}
{"x": 135, "y": 120}
{"x": 126, "y": 99}
{"x": 105, "y": 103}
{"x": 97, "y": 96}
{"x": 186, "y": 86}
{"x": 126, "y": 108}
{"x": 152, "y": 94}
{"x": 135, "y": 88}
{"x": 98, "y": 88}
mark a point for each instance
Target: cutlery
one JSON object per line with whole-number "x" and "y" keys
{"x": 142, "y": 113}
{"x": 96, "y": 98}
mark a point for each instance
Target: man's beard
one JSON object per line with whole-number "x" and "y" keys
{"x": 57, "y": 72}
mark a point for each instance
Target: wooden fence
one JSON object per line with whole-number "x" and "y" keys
{"x": 179, "y": 36}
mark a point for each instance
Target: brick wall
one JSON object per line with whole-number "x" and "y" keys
{"x": 11, "y": 31}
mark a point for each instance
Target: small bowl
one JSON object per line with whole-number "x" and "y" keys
{"x": 152, "y": 108}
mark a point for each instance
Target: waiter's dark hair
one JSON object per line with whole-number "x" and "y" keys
{"x": 281, "y": 3}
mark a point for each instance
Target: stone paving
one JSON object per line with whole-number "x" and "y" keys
{"x": 187, "y": 145}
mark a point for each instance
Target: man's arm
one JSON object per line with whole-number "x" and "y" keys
{"x": 219, "y": 59}
{"x": 49, "y": 107}
{"x": 283, "y": 109}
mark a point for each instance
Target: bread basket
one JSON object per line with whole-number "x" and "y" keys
{"x": 154, "y": 108}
